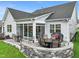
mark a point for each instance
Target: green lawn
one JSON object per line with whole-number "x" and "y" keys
{"x": 76, "y": 46}
{"x": 9, "y": 51}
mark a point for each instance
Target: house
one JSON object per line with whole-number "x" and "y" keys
{"x": 60, "y": 18}
{"x": 1, "y": 26}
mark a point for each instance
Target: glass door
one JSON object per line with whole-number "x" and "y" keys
{"x": 28, "y": 32}
{"x": 40, "y": 31}
{"x": 20, "y": 29}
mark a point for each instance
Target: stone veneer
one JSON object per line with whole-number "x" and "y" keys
{"x": 34, "y": 50}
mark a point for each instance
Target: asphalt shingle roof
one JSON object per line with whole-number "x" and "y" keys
{"x": 19, "y": 14}
{"x": 59, "y": 11}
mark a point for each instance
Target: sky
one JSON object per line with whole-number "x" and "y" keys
{"x": 29, "y": 6}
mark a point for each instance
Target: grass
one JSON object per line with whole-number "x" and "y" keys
{"x": 9, "y": 51}
{"x": 76, "y": 46}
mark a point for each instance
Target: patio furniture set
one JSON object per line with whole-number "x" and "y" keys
{"x": 53, "y": 42}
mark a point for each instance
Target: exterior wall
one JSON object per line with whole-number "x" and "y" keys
{"x": 9, "y": 21}
{"x": 73, "y": 23}
{"x": 64, "y": 29}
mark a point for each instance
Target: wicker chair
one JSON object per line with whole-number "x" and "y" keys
{"x": 41, "y": 41}
{"x": 57, "y": 41}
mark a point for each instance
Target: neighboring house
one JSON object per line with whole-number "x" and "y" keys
{"x": 1, "y": 26}
{"x": 60, "y": 18}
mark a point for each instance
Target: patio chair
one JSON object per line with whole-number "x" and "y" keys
{"x": 45, "y": 37}
{"x": 58, "y": 38}
{"x": 42, "y": 43}
{"x": 41, "y": 40}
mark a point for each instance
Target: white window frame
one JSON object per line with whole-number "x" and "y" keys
{"x": 55, "y": 28}
{"x": 9, "y": 28}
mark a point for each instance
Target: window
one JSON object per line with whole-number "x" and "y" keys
{"x": 52, "y": 28}
{"x": 9, "y": 28}
{"x": 25, "y": 29}
{"x": 58, "y": 28}
{"x": 55, "y": 28}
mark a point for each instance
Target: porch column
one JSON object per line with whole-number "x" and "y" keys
{"x": 34, "y": 31}
{"x": 23, "y": 30}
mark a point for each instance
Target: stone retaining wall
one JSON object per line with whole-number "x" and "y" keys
{"x": 41, "y": 52}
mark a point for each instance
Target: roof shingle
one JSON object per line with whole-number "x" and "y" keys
{"x": 19, "y": 14}
{"x": 59, "y": 11}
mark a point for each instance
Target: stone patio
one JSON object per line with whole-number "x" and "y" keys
{"x": 34, "y": 50}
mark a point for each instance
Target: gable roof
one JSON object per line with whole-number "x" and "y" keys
{"x": 60, "y": 11}
{"x": 19, "y": 14}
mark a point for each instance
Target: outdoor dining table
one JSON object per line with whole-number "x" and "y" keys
{"x": 48, "y": 42}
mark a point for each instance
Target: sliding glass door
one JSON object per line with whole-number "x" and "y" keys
{"x": 28, "y": 30}
{"x": 20, "y": 29}
{"x": 40, "y": 28}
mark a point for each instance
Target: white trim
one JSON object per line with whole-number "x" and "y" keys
{"x": 23, "y": 30}
{"x": 59, "y": 19}
{"x": 34, "y": 31}
{"x": 5, "y": 14}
